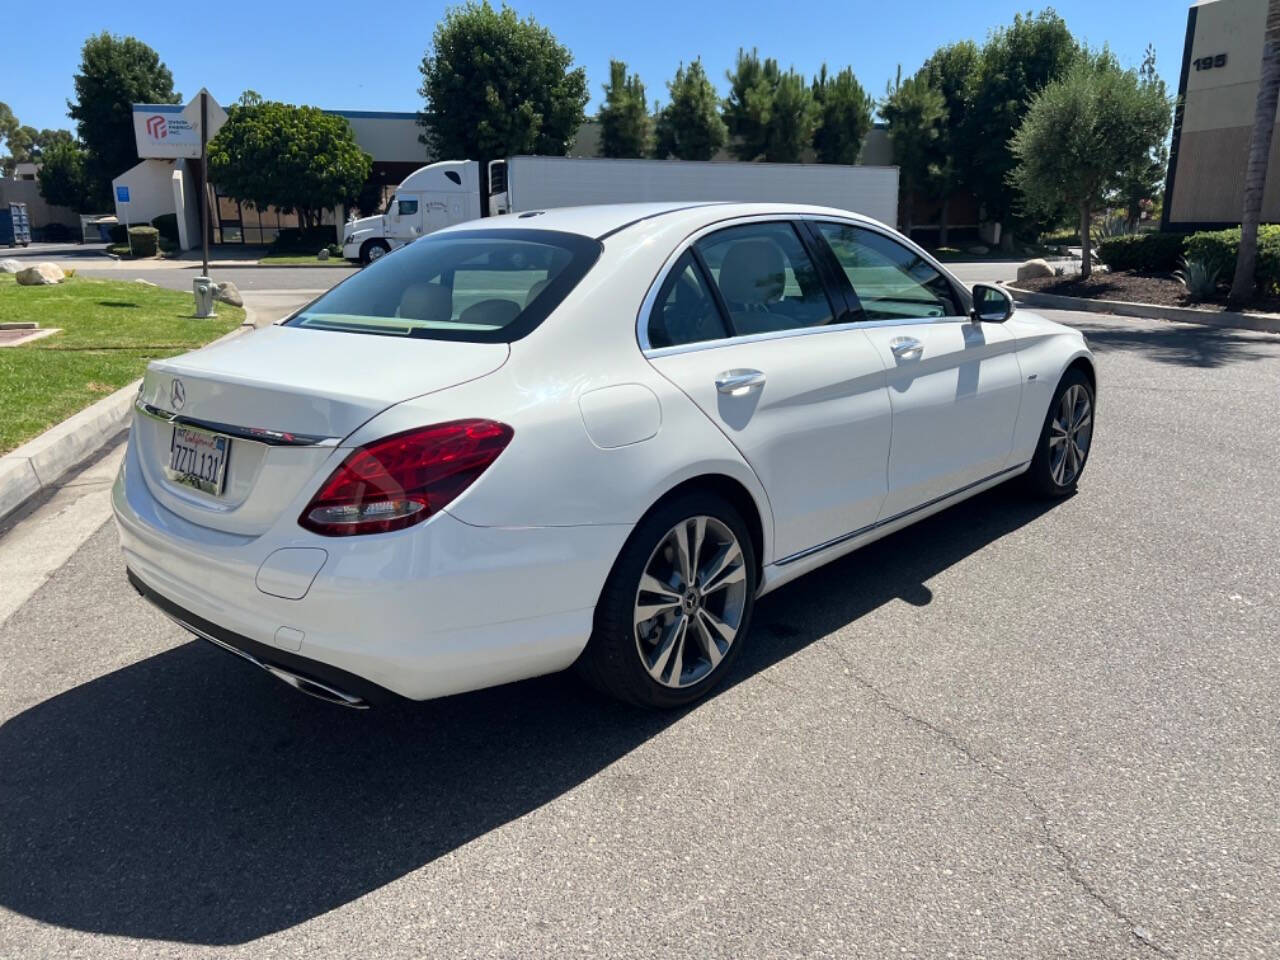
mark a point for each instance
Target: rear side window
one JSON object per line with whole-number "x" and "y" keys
{"x": 485, "y": 286}
{"x": 892, "y": 282}
{"x": 766, "y": 278}
{"x": 407, "y": 207}
{"x": 685, "y": 310}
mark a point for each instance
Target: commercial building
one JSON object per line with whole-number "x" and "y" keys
{"x": 166, "y": 180}
{"x": 1217, "y": 94}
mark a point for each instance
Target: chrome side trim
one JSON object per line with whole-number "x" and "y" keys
{"x": 646, "y": 307}
{"x": 853, "y": 535}
{"x": 271, "y": 438}
{"x": 313, "y": 688}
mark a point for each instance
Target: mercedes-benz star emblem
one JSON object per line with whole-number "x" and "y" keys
{"x": 177, "y": 394}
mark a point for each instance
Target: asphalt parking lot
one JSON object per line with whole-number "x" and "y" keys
{"x": 1014, "y": 730}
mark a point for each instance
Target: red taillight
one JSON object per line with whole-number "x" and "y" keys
{"x": 403, "y": 479}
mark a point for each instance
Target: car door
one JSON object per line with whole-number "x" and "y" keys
{"x": 743, "y": 323}
{"x": 954, "y": 384}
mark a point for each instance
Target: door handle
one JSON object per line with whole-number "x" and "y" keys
{"x": 739, "y": 382}
{"x": 906, "y": 348}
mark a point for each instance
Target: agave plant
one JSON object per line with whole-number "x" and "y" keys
{"x": 1112, "y": 225}
{"x": 1198, "y": 279}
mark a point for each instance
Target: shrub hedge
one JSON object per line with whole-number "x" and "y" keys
{"x": 296, "y": 240}
{"x": 167, "y": 224}
{"x": 1217, "y": 249}
{"x": 145, "y": 241}
{"x": 1145, "y": 252}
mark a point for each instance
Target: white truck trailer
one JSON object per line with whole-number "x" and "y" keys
{"x": 448, "y": 192}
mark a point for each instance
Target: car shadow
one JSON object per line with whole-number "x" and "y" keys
{"x": 188, "y": 797}
{"x": 1183, "y": 345}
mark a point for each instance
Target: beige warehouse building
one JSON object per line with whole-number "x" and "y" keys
{"x": 1217, "y": 91}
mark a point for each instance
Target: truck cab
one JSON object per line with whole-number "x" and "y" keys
{"x": 433, "y": 197}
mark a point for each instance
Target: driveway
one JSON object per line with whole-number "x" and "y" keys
{"x": 1014, "y": 730}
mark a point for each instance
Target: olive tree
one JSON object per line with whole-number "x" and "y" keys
{"x": 1081, "y": 133}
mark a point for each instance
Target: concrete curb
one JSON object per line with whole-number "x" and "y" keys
{"x": 1262, "y": 322}
{"x": 40, "y": 463}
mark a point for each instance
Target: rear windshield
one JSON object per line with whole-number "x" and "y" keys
{"x": 485, "y": 286}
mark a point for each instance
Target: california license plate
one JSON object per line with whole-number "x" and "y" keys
{"x": 198, "y": 458}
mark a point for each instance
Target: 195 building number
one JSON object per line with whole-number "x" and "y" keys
{"x": 1211, "y": 61}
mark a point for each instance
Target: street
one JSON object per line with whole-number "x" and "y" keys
{"x": 1017, "y": 729}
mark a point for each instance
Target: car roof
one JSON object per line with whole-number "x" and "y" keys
{"x": 602, "y": 221}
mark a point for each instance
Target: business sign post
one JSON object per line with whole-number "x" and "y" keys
{"x": 172, "y": 131}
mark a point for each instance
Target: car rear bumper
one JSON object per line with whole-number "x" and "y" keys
{"x": 433, "y": 610}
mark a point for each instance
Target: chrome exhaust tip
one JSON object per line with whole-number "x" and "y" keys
{"x": 314, "y": 688}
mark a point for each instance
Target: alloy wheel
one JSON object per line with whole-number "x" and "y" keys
{"x": 690, "y": 601}
{"x": 1070, "y": 431}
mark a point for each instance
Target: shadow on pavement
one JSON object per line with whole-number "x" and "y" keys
{"x": 189, "y": 797}
{"x": 1189, "y": 346}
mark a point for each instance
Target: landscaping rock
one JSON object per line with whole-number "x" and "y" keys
{"x": 227, "y": 292}
{"x": 10, "y": 265}
{"x": 322, "y": 255}
{"x": 979, "y": 250}
{"x": 41, "y": 275}
{"x": 145, "y": 283}
{"x": 1034, "y": 268}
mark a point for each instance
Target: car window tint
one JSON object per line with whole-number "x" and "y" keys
{"x": 892, "y": 281}
{"x": 684, "y": 311}
{"x": 485, "y": 286}
{"x": 766, "y": 278}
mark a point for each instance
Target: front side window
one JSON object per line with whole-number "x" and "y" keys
{"x": 766, "y": 278}
{"x": 892, "y": 281}
{"x": 685, "y": 310}
{"x": 484, "y": 286}
{"x": 407, "y": 207}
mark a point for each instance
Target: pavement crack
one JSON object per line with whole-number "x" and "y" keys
{"x": 1070, "y": 866}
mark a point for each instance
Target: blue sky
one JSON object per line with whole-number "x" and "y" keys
{"x": 365, "y": 56}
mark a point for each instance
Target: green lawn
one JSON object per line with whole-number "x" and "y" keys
{"x": 304, "y": 260}
{"x": 110, "y": 330}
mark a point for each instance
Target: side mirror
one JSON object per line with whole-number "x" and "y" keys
{"x": 991, "y": 304}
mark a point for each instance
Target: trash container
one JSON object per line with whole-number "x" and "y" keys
{"x": 204, "y": 290}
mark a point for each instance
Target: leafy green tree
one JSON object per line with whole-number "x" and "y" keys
{"x": 916, "y": 115}
{"x": 296, "y": 159}
{"x": 952, "y": 71}
{"x": 64, "y": 181}
{"x": 844, "y": 116}
{"x": 689, "y": 126}
{"x": 115, "y": 73}
{"x": 495, "y": 85}
{"x": 1144, "y": 181}
{"x": 771, "y": 115}
{"x": 625, "y": 124}
{"x": 1081, "y": 133}
{"x": 1016, "y": 63}
{"x": 25, "y": 144}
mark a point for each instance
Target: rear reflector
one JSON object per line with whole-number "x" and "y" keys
{"x": 401, "y": 480}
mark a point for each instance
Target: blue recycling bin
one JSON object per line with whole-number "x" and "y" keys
{"x": 15, "y": 226}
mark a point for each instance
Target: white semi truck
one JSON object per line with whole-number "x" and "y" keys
{"x": 448, "y": 192}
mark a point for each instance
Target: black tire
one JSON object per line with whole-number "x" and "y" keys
{"x": 1040, "y": 479}
{"x": 612, "y": 661}
{"x": 366, "y": 257}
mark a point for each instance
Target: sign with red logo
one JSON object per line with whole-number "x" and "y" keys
{"x": 156, "y": 127}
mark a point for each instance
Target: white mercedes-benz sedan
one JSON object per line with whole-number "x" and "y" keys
{"x": 586, "y": 437}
